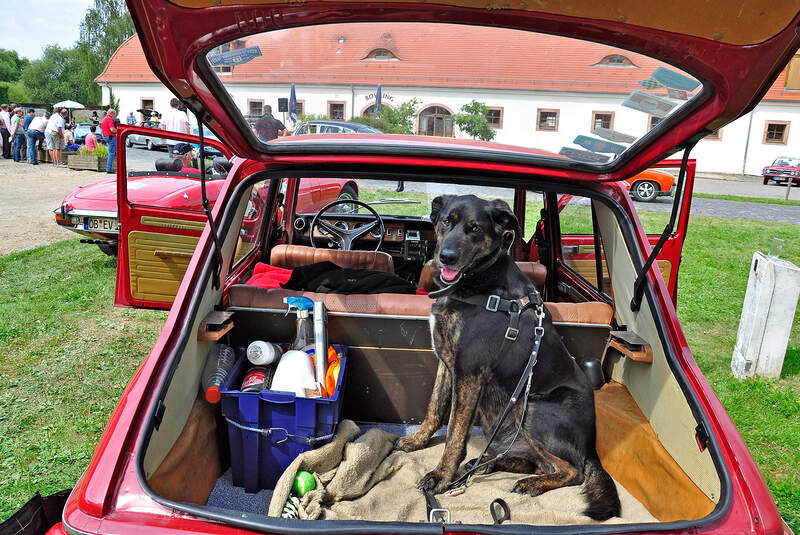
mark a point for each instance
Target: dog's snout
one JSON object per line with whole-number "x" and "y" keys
{"x": 448, "y": 256}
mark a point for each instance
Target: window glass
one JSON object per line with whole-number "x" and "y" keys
{"x": 250, "y": 229}
{"x": 776, "y": 132}
{"x": 340, "y": 69}
{"x": 578, "y": 250}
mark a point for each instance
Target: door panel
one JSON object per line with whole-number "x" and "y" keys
{"x": 161, "y": 218}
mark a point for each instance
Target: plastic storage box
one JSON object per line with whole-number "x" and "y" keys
{"x": 268, "y": 429}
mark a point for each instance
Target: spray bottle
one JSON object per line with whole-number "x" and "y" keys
{"x": 304, "y": 328}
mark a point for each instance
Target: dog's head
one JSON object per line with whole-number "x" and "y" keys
{"x": 468, "y": 231}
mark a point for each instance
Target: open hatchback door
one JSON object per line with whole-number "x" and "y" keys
{"x": 571, "y": 100}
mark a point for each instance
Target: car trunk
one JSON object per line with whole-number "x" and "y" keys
{"x": 644, "y": 424}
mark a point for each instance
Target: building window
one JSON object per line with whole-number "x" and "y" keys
{"x": 381, "y": 54}
{"x": 776, "y": 132}
{"x": 336, "y": 111}
{"x": 255, "y": 107}
{"x": 716, "y": 135}
{"x": 300, "y": 107}
{"x": 219, "y": 50}
{"x": 547, "y": 120}
{"x": 435, "y": 121}
{"x": 653, "y": 121}
{"x": 495, "y": 117}
{"x": 615, "y": 60}
{"x": 602, "y": 119}
{"x": 369, "y": 111}
{"x": 147, "y": 103}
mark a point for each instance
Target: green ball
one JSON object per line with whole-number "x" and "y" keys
{"x": 303, "y": 482}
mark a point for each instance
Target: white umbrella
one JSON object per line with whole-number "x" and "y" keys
{"x": 71, "y": 104}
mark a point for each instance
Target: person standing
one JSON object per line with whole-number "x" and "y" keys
{"x": 268, "y": 127}
{"x": 5, "y": 130}
{"x": 56, "y": 126}
{"x": 35, "y": 135}
{"x": 18, "y": 131}
{"x": 131, "y": 118}
{"x": 108, "y": 128}
{"x": 175, "y": 120}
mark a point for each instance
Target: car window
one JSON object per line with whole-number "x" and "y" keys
{"x": 576, "y": 218}
{"x": 301, "y": 130}
{"x": 251, "y": 226}
{"x": 599, "y": 99}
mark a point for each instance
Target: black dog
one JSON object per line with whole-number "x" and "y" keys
{"x": 557, "y": 440}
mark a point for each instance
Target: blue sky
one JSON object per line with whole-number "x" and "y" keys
{"x": 38, "y": 23}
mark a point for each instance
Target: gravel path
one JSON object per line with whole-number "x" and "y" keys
{"x": 29, "y": 194}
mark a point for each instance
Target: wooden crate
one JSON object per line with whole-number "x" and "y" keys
{"x": 92, "y": 163}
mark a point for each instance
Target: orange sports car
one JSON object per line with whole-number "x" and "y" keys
{"x": 649, "y": 184}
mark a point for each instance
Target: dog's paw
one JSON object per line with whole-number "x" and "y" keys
{"x": 409, "y": 444}
{"x": 433, "y": 481}
{"x": 527, "y": 486}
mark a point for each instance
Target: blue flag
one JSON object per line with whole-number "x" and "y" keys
{"x": 378, "y": 102}
{"x": 292, "y": 105}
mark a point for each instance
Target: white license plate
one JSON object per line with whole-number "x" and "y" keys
{"x": 100, "y": 224}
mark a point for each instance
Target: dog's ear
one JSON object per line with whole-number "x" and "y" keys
{"x": 503, "y": 216}
{"x": 436, "y": 207}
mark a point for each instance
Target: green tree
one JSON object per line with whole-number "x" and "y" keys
{"x": 57, "y": 76}
{"x": 472, "y": 120}
{"x": 396, "y": 120}
{"x": 11, "y": 65}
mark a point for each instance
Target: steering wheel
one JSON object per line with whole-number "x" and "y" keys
{"x": 344, "y": 238}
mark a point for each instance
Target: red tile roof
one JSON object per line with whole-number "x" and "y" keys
{"x": 431, "y": 55}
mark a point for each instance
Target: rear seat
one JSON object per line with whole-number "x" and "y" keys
{"x": 241, "y": 295}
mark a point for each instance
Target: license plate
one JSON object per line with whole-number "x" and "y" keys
{"x": 100, "y": 224}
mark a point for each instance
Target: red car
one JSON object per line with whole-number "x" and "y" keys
{"x": 782, "y": 169}
{"x": 91, "y": 210}
{"x": 164, "y": 466}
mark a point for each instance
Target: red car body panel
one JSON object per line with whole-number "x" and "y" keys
{"x": 109, "y": 497}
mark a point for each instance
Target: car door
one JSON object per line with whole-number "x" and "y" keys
{"x": 161, "y": 217}
{"x": 578, "y": 240}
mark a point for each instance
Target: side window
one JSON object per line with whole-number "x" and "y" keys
{"x": 300, "y": 131}
{"x": 250, "y": 229}
{"x": 578, "y": 251}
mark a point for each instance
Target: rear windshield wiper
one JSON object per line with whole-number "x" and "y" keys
{"x": 641, "y": 276}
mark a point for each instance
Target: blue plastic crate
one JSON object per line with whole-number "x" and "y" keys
{"x": 258, "y": 459}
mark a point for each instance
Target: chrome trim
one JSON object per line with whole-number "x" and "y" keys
{"x": 90, "y": 213}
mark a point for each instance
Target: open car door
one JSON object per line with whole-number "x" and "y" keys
{"x": 160, "y": 212}
{"x": 578, "y": 239}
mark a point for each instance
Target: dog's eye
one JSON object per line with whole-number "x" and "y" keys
{"x": 446, "y": 222}
{"x": 476, "y": 228}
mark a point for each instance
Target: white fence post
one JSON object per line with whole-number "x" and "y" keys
{"x": 767, "y": 316}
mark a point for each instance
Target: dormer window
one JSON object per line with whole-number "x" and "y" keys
{"x": 615, "y": 60}
{"x": 381, "y": 54}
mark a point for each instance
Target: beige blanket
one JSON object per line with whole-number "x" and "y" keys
{"x": 360, "y": 477}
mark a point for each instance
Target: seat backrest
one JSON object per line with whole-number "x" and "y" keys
{"x": 533, "y": 270}
{"x": 292, "y": 256}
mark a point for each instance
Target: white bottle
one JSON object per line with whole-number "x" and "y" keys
{"x": 262, "y": 353}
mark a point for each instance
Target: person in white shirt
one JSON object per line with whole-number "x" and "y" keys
{"x": 55, "y": 127}
{"x": 5, "y": 130}
{"x": 35, "y": 135}
{"x": 175, "y": 120}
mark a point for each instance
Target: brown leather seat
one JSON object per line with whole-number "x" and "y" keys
{"x": 292, "y": 256}
{"x": 241, "y": 295}
{"x": 533, "y": 270}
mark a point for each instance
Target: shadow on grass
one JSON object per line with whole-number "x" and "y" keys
{"x": 791, "y": 364}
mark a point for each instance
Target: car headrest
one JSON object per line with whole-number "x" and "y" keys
{"x": 168, "y": 164}
{"x": 221, "y": 164}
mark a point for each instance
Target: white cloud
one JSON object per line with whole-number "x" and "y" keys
{"x": 38, "y": 23}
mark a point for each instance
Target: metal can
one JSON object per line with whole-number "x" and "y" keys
{"x": 256, "y": 379}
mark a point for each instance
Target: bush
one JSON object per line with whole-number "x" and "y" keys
{"x": 100, "y": 151}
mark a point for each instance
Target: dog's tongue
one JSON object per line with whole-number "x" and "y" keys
{"x": 449, "y": 274}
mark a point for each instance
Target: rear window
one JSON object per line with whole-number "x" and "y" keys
{"x": 561, "y": 98}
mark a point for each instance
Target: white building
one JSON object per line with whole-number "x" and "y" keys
{"x": 529, "y": 106}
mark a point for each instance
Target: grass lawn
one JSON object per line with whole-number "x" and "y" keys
{"x": 761, "y": 200}
{"x": 67, "y": 354}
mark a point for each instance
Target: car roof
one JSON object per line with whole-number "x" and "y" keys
{"x": 745, "y": 49}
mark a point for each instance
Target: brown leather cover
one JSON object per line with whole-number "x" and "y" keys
{"x": 533, "y": 270}
{"x": 242, "y": 295}
{"x": 631, "y": 452}
{"x": 292, "y": 256}
{"x": 191, "y": 468}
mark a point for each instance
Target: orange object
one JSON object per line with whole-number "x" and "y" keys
{"x": 332, "y": 377}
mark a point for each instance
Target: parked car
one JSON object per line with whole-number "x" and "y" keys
{"x": 150, "y": 142}
{"x": 650, "y": 184}
{"x": 333, "y": 127}
{"x": 164, "y": 466}
{"x": 82, "y": 129}
{"x": 783, "y": 169}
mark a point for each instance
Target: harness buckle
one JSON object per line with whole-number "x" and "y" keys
{"x": 512, "y": 333}
{"x": 493, "y": 303}
{"x": 538, "y": 331}
{"x": 439, "y": 514}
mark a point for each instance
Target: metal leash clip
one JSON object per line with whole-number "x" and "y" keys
{"x": 439, "y": 514}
